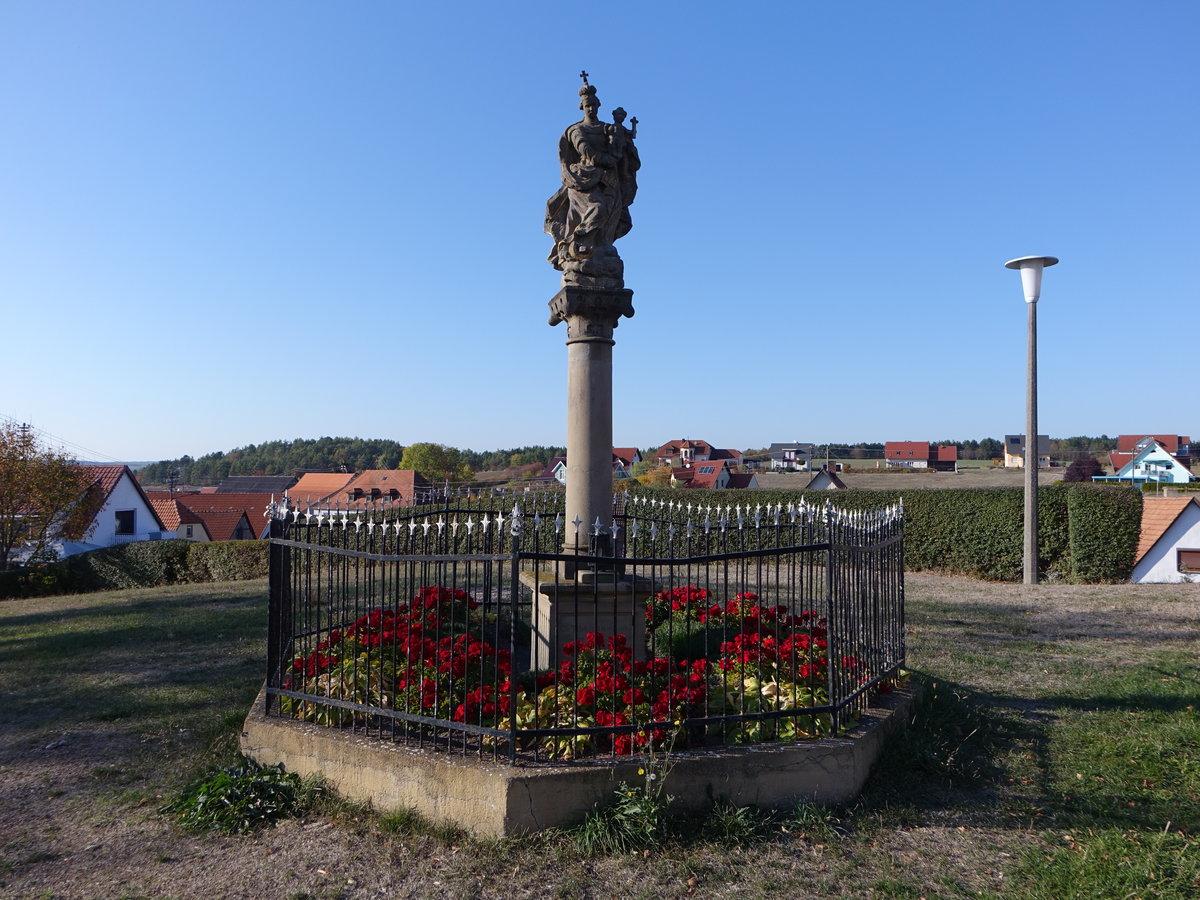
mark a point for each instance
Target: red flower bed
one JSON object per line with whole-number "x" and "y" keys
{"x": 430, "y": 656}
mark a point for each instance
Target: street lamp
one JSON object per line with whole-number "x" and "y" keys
{"x": 1031, "y": 282}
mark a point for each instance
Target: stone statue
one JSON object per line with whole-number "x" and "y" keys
{"x": 591, "y": 210}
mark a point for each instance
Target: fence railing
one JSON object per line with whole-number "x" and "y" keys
{"x": 515, "y": 633}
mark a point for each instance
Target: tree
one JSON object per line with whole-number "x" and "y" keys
{"x": 44, "y": 496}
{"x": 436, "y": 462}
{"x": 1083, "y": 469}
{"x": 649, "y": 473}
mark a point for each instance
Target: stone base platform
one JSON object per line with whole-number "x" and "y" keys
{"x": 492, "y": 799}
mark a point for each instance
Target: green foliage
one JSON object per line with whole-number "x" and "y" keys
{"x": 327, "y": 454}
{"x": 1122, "y": 827}
{"x": 1086, "y": 532}
{"x": 435, "y": 462}
{"x": 635, "y": 819}
{"x": 517, "y": 456}
{"x": 44, "y": 495}
{"x": 225, "y": 560}
{"x": 140, "y": 564}
{"x": 242, "y": 798}
{"x": 1105, "y": 525}
{"x": 736, "y": 826}
{"x": 951, "y": 738}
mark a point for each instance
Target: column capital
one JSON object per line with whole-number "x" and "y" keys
{"x": 591, "y": 313}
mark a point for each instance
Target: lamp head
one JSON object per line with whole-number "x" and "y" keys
{"x": 1031, "y": 273}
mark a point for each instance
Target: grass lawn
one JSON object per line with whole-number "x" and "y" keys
{"x": 1056, "y": 754}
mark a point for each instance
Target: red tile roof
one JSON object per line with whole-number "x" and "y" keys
{"x": 1159, "y": 514}
{"x": 254, "y": 506}
{"x": 222, "y": 524}
{"x": 315, "y": 486}
{"x": 171, "y": 512}
{"x": 105, "y": 479}
{"x": 906, "y": 450}
{"x": 1127, "y": 443}
{"x": 1119, "y": 460}
{"x": 372, "y": 486}
{"x": 672, "y": 448}
{"x": 626, "y": 454}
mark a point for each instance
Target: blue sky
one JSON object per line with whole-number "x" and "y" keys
{"x": 223, "y": 223}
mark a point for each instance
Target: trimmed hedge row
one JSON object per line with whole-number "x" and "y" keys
{"x": 140, "y": 564}
{"x": 1086, "y": 532}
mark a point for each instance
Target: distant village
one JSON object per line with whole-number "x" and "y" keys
{"x": 236, "y": 508}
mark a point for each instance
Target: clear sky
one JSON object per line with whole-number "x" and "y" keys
{"x": 224, "y": 222}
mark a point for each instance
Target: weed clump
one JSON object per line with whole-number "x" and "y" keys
{"x": 242, "y": 798}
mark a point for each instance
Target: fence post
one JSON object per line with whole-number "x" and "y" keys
{"x": 279, "y": 604}
{"x": 832, "y": 625}
{"x": 514, "y": 594}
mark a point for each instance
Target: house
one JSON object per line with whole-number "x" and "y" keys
{"x": 125, "y": 512}
{"x": 685, "y": 452}
{"x": 184, "y": 524}
{"x": 1169, "y": 545}
{"x": 225, "y": 517}
{"x": 920, "y": 455}
{"x": 825, "y": 480}
{"x": 1129, "y": 445}
{"x": 1151, "y": 463}
{"x": 629, "y": 456}
{"x": 712, "y": 475}
{"x": 1014, "y": 451}
{"x": 623, "y": 459}
{"x": 790, "y": 457}
{"x": 556, "y": 470}
{"x": 371, "y": 487}
{"x": 314, "y": 487}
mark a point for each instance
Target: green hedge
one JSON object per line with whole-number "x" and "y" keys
{"x": 1086, "y": 532}
{"x": 140, "y": 564}
{"x": 1105, "y": 526}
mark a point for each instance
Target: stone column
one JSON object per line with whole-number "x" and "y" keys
{"x": 591, "y": 315}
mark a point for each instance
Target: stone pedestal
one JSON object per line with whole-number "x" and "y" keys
{"x": 591, "y": 315}
{"x": 566, "y": 609}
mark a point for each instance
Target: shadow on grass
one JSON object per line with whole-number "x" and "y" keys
{"x": 949, "y": 758}
{"x": 80, "y": 606}
{"x": 176, "y": 659}
{"x": 1121, "y": 757}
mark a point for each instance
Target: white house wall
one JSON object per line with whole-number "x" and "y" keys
{"x": 1159, "y": 565}
{"x": 124, "y": 496}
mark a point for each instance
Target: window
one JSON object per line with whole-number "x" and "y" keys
{"x": 125, "y": 521}
{"x": 189, "y": 530}
{"x": 1189, "y": 560}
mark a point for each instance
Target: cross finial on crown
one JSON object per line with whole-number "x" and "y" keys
{"x": 584, "y": 76}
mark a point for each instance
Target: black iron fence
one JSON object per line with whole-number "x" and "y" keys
{"x": 498, "y": 627}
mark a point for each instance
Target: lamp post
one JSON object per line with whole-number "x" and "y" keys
{"x": 1031, "y": 282}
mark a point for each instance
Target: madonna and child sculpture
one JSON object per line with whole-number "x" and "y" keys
{"x": 590, "y": 211}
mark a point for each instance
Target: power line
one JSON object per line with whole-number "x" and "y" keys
{"x": 47, "y": 437}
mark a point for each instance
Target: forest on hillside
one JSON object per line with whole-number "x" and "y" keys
{"x": 326, "y": 454}
{"x": 335, "y": 454}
